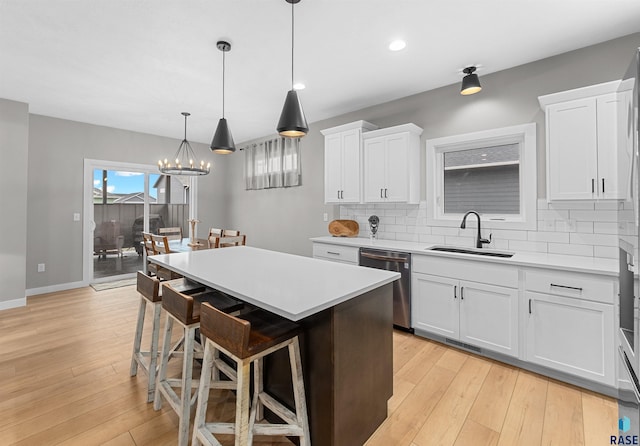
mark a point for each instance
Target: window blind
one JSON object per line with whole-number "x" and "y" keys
{"x": 484, "y": 179}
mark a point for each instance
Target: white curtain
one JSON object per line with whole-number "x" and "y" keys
{"x": 273, "y": 163}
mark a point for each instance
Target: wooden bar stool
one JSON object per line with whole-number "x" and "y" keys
{"x": 185, "y": 310}
{"x": 149, "y": 289}
{"x": 247, "y": 339}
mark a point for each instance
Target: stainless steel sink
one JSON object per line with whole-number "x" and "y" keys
{"x": 474, "y": 251}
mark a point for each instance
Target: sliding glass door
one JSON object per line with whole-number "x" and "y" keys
{"x": 121, "y": 201}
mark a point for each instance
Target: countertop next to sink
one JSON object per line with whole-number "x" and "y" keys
{"x": 608, "y": 267}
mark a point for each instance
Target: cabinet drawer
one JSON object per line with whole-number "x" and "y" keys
{"x": 495, "y": 274}
{"x": 338, "y": 253}
{"x": 574, "y": 285}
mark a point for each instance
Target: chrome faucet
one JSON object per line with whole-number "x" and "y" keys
{"x": 479, "y": 240}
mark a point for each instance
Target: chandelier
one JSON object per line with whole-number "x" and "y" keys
{"x": 184, "y": 159}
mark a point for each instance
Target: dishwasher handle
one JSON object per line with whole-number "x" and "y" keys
{"x": 385, "y": 258}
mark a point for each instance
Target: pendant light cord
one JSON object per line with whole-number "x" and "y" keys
{"x": 185, "y": 127}
{"x": 292, "y": 42}
{"x": 223, "y": 70}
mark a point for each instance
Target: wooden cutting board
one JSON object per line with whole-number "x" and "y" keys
{"x": 344, "y": 228}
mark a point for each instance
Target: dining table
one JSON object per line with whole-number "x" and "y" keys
{"x": 346, "y": 315}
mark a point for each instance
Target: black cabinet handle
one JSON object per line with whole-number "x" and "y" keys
{"x": 455, "y": 291}
{"x": 385, "y": 193}
{"x": 461, "y": 293}
{"x": 567, "y": 287}
{"x": 529, "y": 306}
{"x": 603, "y": 185}
{"x": 381, "y": 194}
{"x": 593, "y": 185}
{"x": 338, "y": 195}
{"x": 341, "y": 194}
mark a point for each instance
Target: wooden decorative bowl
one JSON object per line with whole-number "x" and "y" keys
{"x": 344, "y": 228}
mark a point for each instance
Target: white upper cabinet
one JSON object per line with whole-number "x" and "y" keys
{"x": 343, "y": 162}
{"x": 392, "y": 164}
{"x": 582, "y": 152}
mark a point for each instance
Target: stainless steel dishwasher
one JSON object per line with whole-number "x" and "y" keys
{"x": 399, "y": 262}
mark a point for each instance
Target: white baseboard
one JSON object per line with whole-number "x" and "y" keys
{"x": 14, "y": 303}
{"x": 55, "y": 288}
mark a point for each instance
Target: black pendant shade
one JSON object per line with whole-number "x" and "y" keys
{"x": 292, "y": 123}
{"x": 222, "y": 140}
{"x": 470, "y": 83}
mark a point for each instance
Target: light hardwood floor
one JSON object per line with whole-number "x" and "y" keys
{"x": 64, "y": 379}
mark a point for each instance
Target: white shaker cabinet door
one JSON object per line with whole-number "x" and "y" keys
{"x": 374, "y": 170}
{"x": 571, "y": 335}
{"x": 610, "y": 109}
{"x": 572, "y": 139}
{"x": 397, "y": 184}
{"x": 332, "y": 168}
{"x": 350, "y": 167}
{"x": 434, "y": 304}
{"x": 489, "y": 317}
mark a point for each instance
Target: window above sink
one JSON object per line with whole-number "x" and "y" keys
{"x": 492, "y": 172}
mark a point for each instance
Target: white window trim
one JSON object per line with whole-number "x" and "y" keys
{"x": 435, "y": 148}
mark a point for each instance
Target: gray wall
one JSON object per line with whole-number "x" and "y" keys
{"x": 284, "y": 219}
{"x": 14, "y": 147}
{"x": 57, "y": 150}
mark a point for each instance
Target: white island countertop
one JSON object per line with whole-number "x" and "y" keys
{"x": 288, "y": 285}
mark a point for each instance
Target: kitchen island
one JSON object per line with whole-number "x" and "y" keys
{"x": 346, "y": 313}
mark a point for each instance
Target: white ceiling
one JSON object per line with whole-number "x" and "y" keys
{"x": 137, "y": 64}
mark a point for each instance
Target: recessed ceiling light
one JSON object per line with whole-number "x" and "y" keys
{"x": 299, "y": 86}
{"x": 397, "y": 45}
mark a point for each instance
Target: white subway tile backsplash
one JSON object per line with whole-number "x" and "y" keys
{"x": 608, "y": 205}
{"x": 607, "y": 252}
{"x": 507, "y": 234}
{"x": 438, "y": 230}
{"x": 594, "y": 239}
{"x": 553, "y": 214}
{"x": 519, "y": 245}
{"x": 585, "y": 226}
{"x": 582, "y": 228}
{"x": 469, "y": 242}
{"x": 602, "y": 227}
{"x": 408, "y": 237}
{"x": 395, "y": 228}
{"x": 572, "y": 250}
{"x": 568, "y": 205}
{"x": 432, "y": 239}
{"x": 556, "y": 237}
{"x": 594, "y": 215}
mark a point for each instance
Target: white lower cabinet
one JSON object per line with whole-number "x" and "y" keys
{"x": 336, "y": 253}
{"x": 568, "y": 330}
{"x": 475, "y": 313}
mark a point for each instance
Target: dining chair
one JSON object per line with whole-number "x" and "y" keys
{"x": 230, "y": 232}
{"x": 174, "y": 233}
{"x": 237, "y": 240}
{"x": 215, "y": 232}
{"x": 161, "y": 246}
{"x": 149, "y": 250}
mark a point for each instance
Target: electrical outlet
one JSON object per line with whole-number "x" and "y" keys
{"x": 76, "y": 216}
{"x": 325, "y": 216}
{"x": 40, "y": 267}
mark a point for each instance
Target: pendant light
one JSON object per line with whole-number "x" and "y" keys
{"x": 222, "y": 140}
{"x": 184, "y": 159}
{"x": 292, "y": 123}
{"x": 470, "y": 83}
